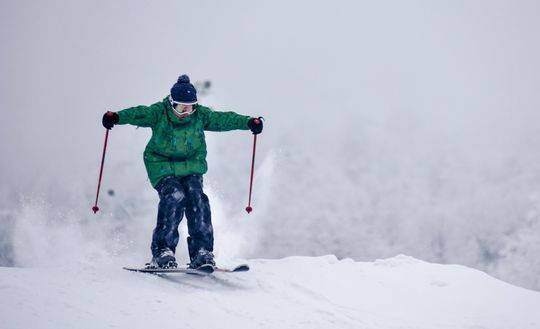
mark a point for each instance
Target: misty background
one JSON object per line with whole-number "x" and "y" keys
{"x": 391, "y": 127}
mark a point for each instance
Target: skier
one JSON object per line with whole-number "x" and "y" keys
{"x": 175, "y": 160}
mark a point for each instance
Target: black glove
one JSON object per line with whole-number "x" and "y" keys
{"x": 110, "y": 119}
{"x": 256, "y": 125}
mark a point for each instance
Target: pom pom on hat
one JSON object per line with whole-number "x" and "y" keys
{"x": 183, "y": 79}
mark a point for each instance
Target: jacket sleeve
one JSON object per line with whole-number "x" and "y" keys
{"x": 223, "y": 121}
{"x": 142, "y": 116}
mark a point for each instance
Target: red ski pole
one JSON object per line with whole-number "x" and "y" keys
{"x": 95, "y": 208}
{"x": 248, "y": 208}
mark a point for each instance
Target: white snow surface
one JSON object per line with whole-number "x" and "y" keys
{"x": 293, "y": 292}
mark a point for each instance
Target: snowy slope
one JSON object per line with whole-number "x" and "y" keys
{"x": 295, "y": 292}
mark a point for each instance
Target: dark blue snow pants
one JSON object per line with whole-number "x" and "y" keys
{"x": 178, "y": 195}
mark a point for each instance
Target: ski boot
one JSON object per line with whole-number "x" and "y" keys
{"x": 164, "y": 260}
{"x": 200, "y": 258}
{"x": 203, "y": 261}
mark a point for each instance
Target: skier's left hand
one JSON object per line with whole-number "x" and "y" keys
{"x": 109, "y": 119}
{"x": 256, "y": 125}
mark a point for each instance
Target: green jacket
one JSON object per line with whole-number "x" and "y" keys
{"x": 178, "y": 146}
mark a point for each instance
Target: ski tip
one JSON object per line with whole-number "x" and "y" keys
{"x": 241, "y": 268}
{"x": 238, "y": 268}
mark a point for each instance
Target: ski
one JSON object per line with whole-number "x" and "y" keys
{"x": 202, "y": 271}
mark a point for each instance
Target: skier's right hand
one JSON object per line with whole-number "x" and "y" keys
{"x": 110, "y": 119}
{"x": 255, "y": 125}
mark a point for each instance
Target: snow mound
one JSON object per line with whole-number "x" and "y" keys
{"x": 294, "y": 292}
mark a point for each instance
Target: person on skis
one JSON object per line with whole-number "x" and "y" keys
{"x": 175, "y": 160}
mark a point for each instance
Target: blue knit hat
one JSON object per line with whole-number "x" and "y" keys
{"x": 183, "y": 92}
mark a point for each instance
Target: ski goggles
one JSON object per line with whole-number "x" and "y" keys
{"x": 175, "y": 104}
